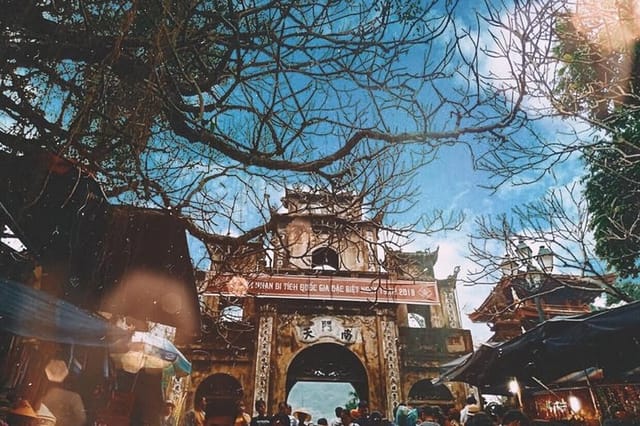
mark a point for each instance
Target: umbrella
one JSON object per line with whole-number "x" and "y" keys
{"x": 149, "y": 351}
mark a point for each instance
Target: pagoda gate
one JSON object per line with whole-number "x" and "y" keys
{"x": 325, "y": 308}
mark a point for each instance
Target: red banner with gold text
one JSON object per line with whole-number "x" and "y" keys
{"x": 326, "y": 288}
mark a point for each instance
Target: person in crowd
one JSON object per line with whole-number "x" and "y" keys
{"x": 346, "y": 418}
{"x": 496, "y": 411}
{"x": 375, "y": 419}
{"x": 452, "y": 418}
{"x": 428, "y": 416}
{"x": 66, "y": 406}
{"x": 354, "y": 415}
{"x": 281, "y": 418}
{"x": 303, "y": 417}
{"x": 363, "y": 413}
{"x": 464, "y": 413}
{"x": 292, "y": 419}
{"x": 261, "y": 419}
{"x": 406, "y": 416}
{"x": 242, "y": 418}
{"x": 322, "y": 422}
{"x": 394, "y": 413}
{"x": 478, "y": 418}
{"x": 167, "y": 418}
{"x": 337, "y": 421}
{"x": 196, "y": 416}
{"x": 472, "y": 411}
{"x": 438, "y": 415}
{"x": 515, "y": 418}
{"x": 398, "y": 408}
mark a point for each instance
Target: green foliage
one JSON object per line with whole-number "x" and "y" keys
{"x": 598, "y": 73}
{"x": 613, "y": 192}
{"x": 598, "y": 79}
{"x": 352, "y": 402}
{"x": 630, "y": 288}
{"x": 577, "y": 76}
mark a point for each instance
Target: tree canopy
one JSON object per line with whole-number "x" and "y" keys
{"x": 207, "y": 107}
{"x": 613, "y": 191}
{"x": 599, "y": 80}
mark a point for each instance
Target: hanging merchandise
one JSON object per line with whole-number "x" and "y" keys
{"x": 619, "y": 397}
{"x": 147, "y": 351}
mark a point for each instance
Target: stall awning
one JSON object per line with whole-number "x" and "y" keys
{"x": 609, "y": 340}
{"x": 29, "y": 312}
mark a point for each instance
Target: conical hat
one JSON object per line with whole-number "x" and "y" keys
{"x": 45, "y": 414}
{"x": 304, "y": 411}
{"x": 23, "y": 408}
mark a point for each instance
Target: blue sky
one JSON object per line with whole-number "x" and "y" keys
{"x": 451, "y": 183}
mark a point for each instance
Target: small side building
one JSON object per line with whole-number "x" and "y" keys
{"x": 511, "y": 308}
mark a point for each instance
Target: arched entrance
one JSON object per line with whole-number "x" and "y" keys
{"x": 328, "y": 362}
{"x": 221, "y": 392}
{"x": 424, "y": 391}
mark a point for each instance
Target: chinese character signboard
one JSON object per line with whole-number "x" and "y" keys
{"x": 327, "y": 327}
{"x": 334, "y": 288}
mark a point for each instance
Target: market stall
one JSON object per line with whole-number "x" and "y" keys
{"x": 573, "y": 405}
{"x": 606, "y": 340}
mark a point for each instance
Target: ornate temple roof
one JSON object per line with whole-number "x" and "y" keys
{"x": 560, "y": 295}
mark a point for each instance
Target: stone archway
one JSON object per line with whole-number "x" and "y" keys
{"x": 425, "y": 391}
{"x": 221, "y": 392}
{"x": 328, "y": 362}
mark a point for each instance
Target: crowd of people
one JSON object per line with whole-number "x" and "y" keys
{"x": 403, "y": 415}
{"x": 469, "y": 415}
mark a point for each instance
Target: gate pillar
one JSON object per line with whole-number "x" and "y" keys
{"x": 390, "y": 352}
{"x": 263, "y": 358}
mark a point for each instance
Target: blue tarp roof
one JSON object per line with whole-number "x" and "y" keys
{"x": 29, "y": 312}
